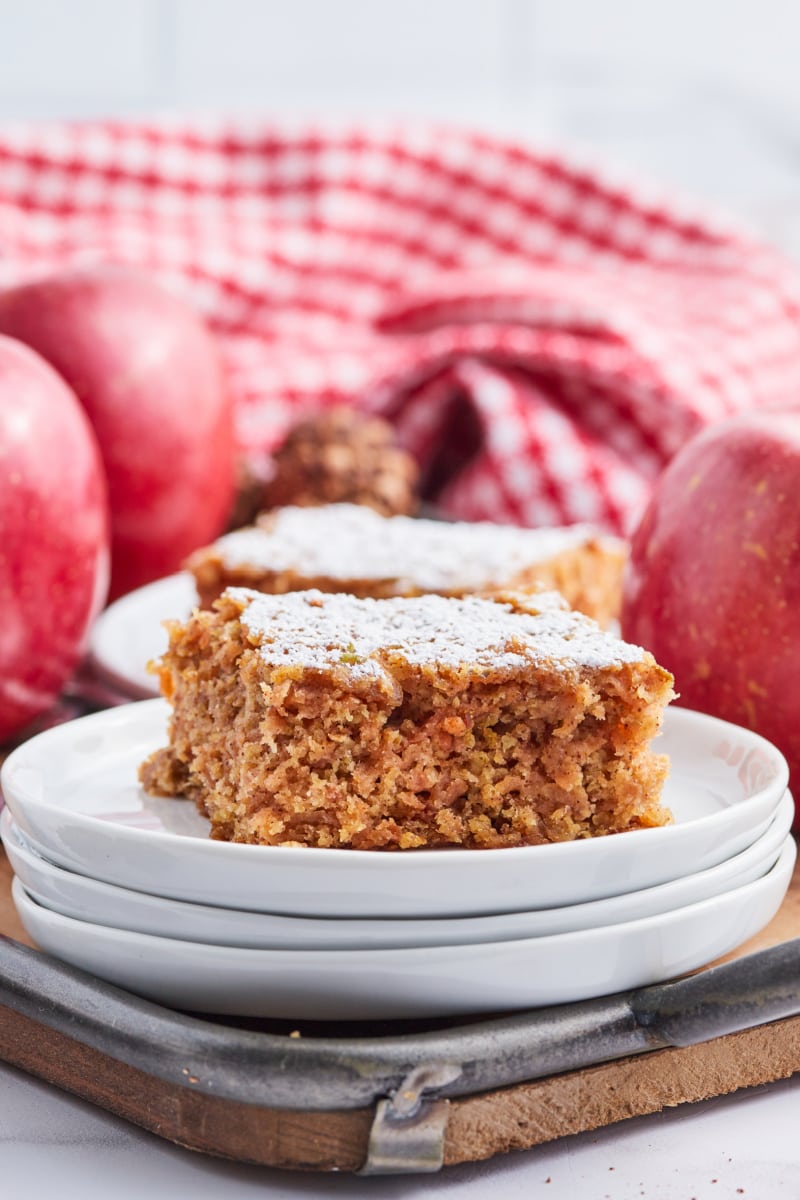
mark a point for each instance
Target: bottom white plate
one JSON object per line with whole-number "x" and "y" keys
{"x": 88, "y": 899}
{"x": 432, "y": 981}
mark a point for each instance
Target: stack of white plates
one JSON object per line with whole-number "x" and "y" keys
{"x": 132, "y": 889}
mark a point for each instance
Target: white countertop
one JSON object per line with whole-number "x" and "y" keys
{"x": 745, "y": 1145}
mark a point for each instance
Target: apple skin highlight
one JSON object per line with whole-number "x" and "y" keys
{"x": 54, "y": 535}
{"x": 147, "y": 371}
{"x": 712, "y": 586}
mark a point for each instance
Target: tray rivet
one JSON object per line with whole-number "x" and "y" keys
{"x": 408, "y": 1129}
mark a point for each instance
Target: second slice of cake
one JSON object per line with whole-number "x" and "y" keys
{"x": 334, "y": 721}
{"x": 350, "y": 548}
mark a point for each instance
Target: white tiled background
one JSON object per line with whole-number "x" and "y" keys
{"x": 701, "y": 93}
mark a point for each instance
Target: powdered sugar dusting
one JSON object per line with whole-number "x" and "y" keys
{"x": 348, "y": 541}
{"x": 318, "y": 630}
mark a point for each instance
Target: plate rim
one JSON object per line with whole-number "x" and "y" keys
{"x": 106, "y": 666}
{"x": 394, "y": 926}
{"x": 789, "y": 851}
{"x": 441, "y": 858}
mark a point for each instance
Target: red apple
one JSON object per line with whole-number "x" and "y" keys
{"x": 713, "y": 583}
{"x": 54, "y": 541}
{"x": 147, "y": 371}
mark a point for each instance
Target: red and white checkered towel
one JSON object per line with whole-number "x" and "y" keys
{"x": 543, "y": 340}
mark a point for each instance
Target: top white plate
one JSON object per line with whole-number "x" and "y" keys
{"x": 73, "y": 790}
{"x": 86, "y": 899}
{"x": 130, "y": 632}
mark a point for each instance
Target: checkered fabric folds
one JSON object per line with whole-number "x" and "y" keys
{"x": 543, "y": 339}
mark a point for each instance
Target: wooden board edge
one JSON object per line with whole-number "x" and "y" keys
{"x": 479, "y": 1127}
{"x": 312, "y": 1141}
{"x": 530, "y": 1114}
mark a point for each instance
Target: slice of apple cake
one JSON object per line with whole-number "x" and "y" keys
{"x": 350, "y": 548}
{"x": 330, "y": 720}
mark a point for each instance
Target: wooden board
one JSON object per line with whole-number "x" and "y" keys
{"x": 478, "y": 1126}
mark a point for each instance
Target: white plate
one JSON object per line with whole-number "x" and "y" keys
{"x": 130, "y": 632}
{"x": 89, "y": 900}
{"x": 432, "y": 981}
{"x": 73, "y": 791}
